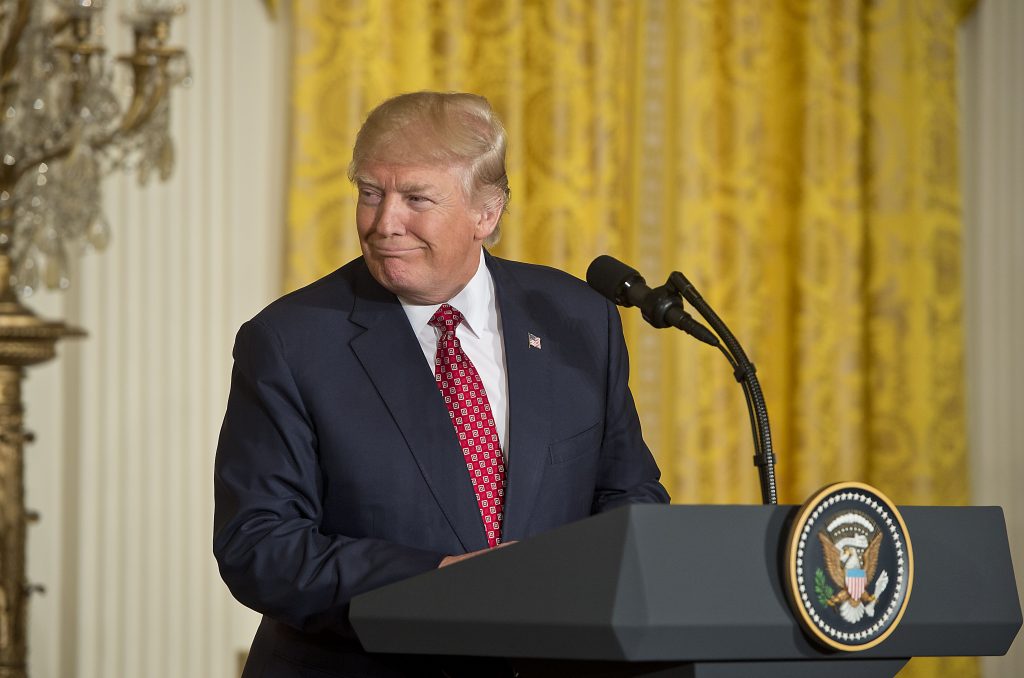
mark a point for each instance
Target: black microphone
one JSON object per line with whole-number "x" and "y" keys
{"x": 617, "y": 282}
{"x": 661, "y": 307}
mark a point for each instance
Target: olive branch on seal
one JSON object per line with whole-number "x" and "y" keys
{"x": 821, "y": 587}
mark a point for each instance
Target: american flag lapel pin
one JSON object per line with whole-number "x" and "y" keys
{"x": 534, "y": 341}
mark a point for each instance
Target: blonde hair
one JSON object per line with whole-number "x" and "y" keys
{"x": 451, "y": 129}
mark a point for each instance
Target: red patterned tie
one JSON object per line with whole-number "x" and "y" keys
{"x": 471, "y": 415}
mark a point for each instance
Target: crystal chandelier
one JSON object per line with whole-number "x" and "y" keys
{"x": 63, "y": 125}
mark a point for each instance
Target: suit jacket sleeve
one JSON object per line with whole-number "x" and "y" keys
{"x": 627, "y": 473}
{"x": 268, "y": 488}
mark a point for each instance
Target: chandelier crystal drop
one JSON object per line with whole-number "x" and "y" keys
{"x": 68, "y": 118}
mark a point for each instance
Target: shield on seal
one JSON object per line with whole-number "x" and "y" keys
{"x": 855, "y": 583}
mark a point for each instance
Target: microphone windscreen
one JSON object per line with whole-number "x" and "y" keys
{"x": 608, "y": 275}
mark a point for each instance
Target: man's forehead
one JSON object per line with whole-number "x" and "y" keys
{"x": 420, "y": 175}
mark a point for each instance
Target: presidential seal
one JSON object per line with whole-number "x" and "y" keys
{"x": 850, "y": 566}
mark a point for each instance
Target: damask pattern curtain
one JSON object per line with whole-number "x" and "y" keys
{"x": 796, "y": 159}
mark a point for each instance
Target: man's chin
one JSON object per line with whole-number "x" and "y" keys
{"x": 395, "y": 276}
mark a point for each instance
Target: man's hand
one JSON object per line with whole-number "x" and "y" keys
{"x": 451, "y": 560}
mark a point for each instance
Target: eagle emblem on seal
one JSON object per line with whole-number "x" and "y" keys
{"x": 850, "y": 544}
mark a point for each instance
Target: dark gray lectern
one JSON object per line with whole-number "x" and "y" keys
{"x": 691, "y": 591}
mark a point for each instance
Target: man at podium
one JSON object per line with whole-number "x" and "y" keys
{"x": 422, "y": 404}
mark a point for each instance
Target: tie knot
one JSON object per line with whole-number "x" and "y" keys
{"x": 447, "y": 318}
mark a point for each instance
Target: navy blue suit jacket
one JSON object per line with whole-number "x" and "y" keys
{"x": 338, "y": 469}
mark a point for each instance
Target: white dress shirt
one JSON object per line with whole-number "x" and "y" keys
{"x": 480, "y": 336}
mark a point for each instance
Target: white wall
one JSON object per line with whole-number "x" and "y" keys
{"x": 992, "y": 96}
{"x": 127, "y": 419}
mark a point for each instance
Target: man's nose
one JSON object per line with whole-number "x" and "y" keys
{"x": 389, "y": 217}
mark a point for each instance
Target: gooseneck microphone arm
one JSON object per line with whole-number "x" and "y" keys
{"x": 663, "y": 307}
{"x": 746, "y": 375}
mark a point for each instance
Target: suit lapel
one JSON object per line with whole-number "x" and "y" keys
{"x": 528, "y": 372}
{"x": 391, "y": 355}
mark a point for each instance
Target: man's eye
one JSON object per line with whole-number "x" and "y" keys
{"x": 369, "y": 197}
{"x": 418, "y": 198}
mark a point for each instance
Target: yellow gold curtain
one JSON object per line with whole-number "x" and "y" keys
{"x": 796, "y": 159}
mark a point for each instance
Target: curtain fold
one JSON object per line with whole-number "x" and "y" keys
{"x": 796, "y": 159}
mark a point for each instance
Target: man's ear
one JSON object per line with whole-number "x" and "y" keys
{"x": 487, "y": 218}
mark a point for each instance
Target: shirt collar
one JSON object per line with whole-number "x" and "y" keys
{"x": 473, "y": 302}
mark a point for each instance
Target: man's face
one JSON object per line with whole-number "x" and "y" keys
{"x": 420, "y": 235}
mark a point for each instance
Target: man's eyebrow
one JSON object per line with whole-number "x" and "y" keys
{"x": 414, "y": 188}
{"x": 360, "y": 179}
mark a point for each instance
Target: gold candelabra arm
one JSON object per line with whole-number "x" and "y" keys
{"x": 150, "y": 63}
{"x": 20, "y": 167}
{"x": 145, "y": 98}
{"x": 9, "y": 52}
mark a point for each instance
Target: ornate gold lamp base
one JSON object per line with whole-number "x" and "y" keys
{"x": 25, "y": 339}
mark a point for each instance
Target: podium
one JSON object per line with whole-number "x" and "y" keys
{"x": 655, "y": 590}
